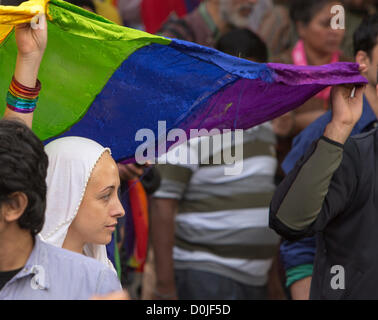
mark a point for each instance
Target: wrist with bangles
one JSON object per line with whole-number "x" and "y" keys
{"x": 22, "y": 99}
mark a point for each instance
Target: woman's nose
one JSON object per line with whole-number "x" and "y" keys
{"x": 118, "y": 211}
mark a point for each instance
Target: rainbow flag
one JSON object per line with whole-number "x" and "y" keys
{"x": 105, "y": 82}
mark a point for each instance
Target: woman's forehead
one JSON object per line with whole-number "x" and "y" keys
{"x": 105, "y": 172}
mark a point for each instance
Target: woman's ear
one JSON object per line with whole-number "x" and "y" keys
{"x": 14, "y": 207}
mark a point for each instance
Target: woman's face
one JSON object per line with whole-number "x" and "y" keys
{"x": 100, "y": 208}
{"x": 319, "y": 35}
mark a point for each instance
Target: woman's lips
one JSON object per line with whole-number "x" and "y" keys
{"x": 112, "y": 226}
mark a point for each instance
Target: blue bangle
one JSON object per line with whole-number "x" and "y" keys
{"x": 20, "y": 103}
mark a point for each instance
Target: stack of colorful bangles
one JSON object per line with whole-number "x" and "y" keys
{"x": 22, "y": 99}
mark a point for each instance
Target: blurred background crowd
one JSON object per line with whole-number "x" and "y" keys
{"x": 185, "y": 234}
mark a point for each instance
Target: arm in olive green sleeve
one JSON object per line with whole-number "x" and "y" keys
{"x": 304, "y": 199}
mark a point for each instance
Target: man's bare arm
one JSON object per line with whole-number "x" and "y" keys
{"x": 163, "y": 213}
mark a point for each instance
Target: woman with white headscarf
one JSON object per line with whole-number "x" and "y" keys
{"x": 82, "y": 197}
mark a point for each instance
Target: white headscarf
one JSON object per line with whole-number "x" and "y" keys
{"x": 71, "y": 162}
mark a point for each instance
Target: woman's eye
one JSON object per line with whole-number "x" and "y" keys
{"x": 106, "y": 197}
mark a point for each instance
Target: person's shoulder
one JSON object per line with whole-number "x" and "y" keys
{"x": 79, "y": 277}
{"x": 361, "y": 146}
{"x": 363, "y": 141}
{"x": 73, "y": 259}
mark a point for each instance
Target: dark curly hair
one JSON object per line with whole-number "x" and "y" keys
{"x": 23, "y": 168}
{"x": 305, "y": 10}
{"x": 365, "y": 38}
{"x": 243, "y": 43}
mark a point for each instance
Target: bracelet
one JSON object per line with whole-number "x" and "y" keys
{"x": 163, "y": 296}
{"x": 22, "y": 99}
{"x": 27, "y": 89}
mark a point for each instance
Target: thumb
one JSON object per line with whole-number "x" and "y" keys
{"x": 360, "y": 91}
{"x": 42, "y": 21}
{"x": 39, "y": 22}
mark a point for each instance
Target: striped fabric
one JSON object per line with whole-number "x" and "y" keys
{"x": 222, "y": 220}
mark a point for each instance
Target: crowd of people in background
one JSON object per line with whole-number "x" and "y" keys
{"x": 206, "y": 235}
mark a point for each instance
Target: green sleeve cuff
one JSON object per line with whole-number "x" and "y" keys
{"x": 298, "y": 273}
